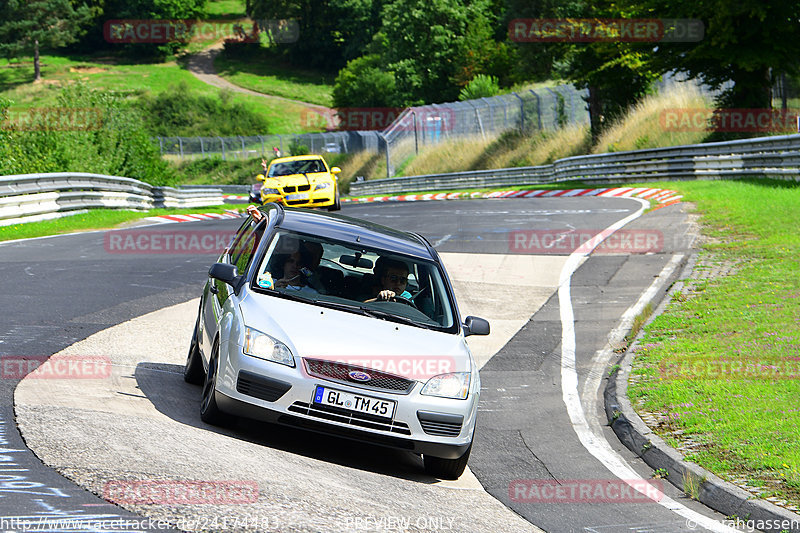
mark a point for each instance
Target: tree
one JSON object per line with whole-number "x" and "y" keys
{"x": 28, "y": 25}
{"x": 427, "y": 44}
{"x": 747, "y": 42}
{"x": 364, "y": 83}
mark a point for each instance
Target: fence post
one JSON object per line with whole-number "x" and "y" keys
{"x": 260, "y": 138}
{"x": 222, "y": 145}
{"x": 521, "y": 112}
{"x": 161, "y": 145}
{"x": 538, "y": 108}
{"x": 491, "y": 111}
{"x": 477, "y": 118}
{"x": 280, "y": 144}
{"x": 202, "y": 149}
{"x": 180, "y": 143}
{"x": 416, "y": 139}
{"x": 386, "y": 148}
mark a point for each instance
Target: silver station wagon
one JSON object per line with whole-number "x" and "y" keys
{"x": 340, "y": 326}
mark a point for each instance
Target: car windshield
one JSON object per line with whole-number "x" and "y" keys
{"x": 355, "y": 279}
{"x": 287, "y": 168}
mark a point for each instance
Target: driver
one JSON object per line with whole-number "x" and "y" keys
{"x": 392, "y": 277}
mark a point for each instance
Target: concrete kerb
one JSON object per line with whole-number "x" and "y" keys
{"x": 713, "y": 492}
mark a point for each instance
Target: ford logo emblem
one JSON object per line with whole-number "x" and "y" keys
{"x": 357, "y": 375}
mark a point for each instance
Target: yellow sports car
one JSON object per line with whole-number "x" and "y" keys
{"x": 301, "y": 181}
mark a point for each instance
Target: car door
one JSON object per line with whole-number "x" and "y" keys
{"x": 239, "y": 253}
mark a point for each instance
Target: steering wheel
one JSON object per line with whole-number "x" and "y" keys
{"x": 407, "y": 301}
{"x": 414, "y": 296}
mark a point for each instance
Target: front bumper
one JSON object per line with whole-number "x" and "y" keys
{"x": 279, "y": 394}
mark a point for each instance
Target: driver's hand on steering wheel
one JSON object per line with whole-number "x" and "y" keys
{"x": 386, "y": 295}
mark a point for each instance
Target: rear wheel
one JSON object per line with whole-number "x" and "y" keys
{"x": 193, "y": 371}
{"x": 209, "y": 412}
{"x": 446, "y": 468}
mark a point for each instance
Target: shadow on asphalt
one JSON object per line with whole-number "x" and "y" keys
{"x": 163, "y": 385}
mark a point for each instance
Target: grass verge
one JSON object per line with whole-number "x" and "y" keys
{"x": 266, "y": 73}
{"x": 134, "y": 79}
{"x": 95, "y": 219}
{"x": 721, "y": 367}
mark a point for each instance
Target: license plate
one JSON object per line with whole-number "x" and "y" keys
{"x": 297, "y": 196}
{"x": 354, "y": 402}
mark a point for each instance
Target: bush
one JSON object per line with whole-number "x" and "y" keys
{"x": 481, "y": 86}
{"x": 114, "y": 142}
{"x": 180, "y": 111}
{"x": 364, "y": 83}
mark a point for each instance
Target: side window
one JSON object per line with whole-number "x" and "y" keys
{"x": 245, "y": 245}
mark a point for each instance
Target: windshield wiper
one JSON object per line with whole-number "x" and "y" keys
{"x": 395, "y": 318}
{"x": 361, "y": 310}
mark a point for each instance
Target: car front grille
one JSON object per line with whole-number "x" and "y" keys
{"x": 440, "y": 424}
{"x": 340, "y": 372}
{"x": 440, "y": 429}
{"x": 298, "y": 188}
{"x": 362, "y": 420}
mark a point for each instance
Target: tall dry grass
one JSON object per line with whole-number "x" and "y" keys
{"x": 641, "y": 127}
{"x": 448, "y": 156}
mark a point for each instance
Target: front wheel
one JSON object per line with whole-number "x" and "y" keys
{"x": 209, "y": 412}
{"x": 446, "y": 468}
{"x": 337, "y": 205}
{"x": 193, "y": 371}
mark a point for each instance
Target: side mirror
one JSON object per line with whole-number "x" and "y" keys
{"x": 335, "y": 170}
{"x": 475, "y": 326}
{"x": 225, "y": 272}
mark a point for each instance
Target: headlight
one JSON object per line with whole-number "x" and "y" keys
{"x": 454, "y": 385}
{"x": 263, "y": 346}
{"x": 270, "y": 191}
{"x": 322, "y": 185}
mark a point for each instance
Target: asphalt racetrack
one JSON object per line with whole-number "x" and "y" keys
{"x": 542, "y": 458}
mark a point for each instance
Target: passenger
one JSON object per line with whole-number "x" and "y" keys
{"x": 392, "y": 277}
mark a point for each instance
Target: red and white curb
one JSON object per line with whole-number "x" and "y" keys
{"x": 164, "y": 219}
{"x": 235, "y": 197}
{"x": 661, "y": 196}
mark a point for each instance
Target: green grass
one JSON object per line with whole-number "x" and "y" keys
{"x": 225, "y": 9}
{"x": 747, "y": 423}
{"x": 93, "y": 220}
{"x": 109, "y": 73}
{"x": 268, "y": 75}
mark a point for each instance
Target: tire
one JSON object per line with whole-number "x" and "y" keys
{"x": 337, "y": 205}
{"x": 209, "y": 412}
{"x": 193, "y": 371}
{"x": 446, "y": 468}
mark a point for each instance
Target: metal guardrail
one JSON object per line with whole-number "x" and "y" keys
{"x": 31, "y": 197}
{"x": 772, "y": 157}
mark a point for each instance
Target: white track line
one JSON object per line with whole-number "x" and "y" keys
{"x": 594, "y": 442}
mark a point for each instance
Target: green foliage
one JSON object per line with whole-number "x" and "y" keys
{"x": 105, "y": 10}
{"x": 364, "y": 83}
{"x": 331, "y": 32}
{"x": 180, "y": 111}
{"x": 482, "y": 86}
{"x": 295, "y": 148}
{"x": 428, "y": 45}
{"x": 27, "y": 26}
{"x": 117, "y": 144}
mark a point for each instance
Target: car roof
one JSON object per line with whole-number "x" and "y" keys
{"x": 352, "y": 230}
{"x": 294, "y": 158}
